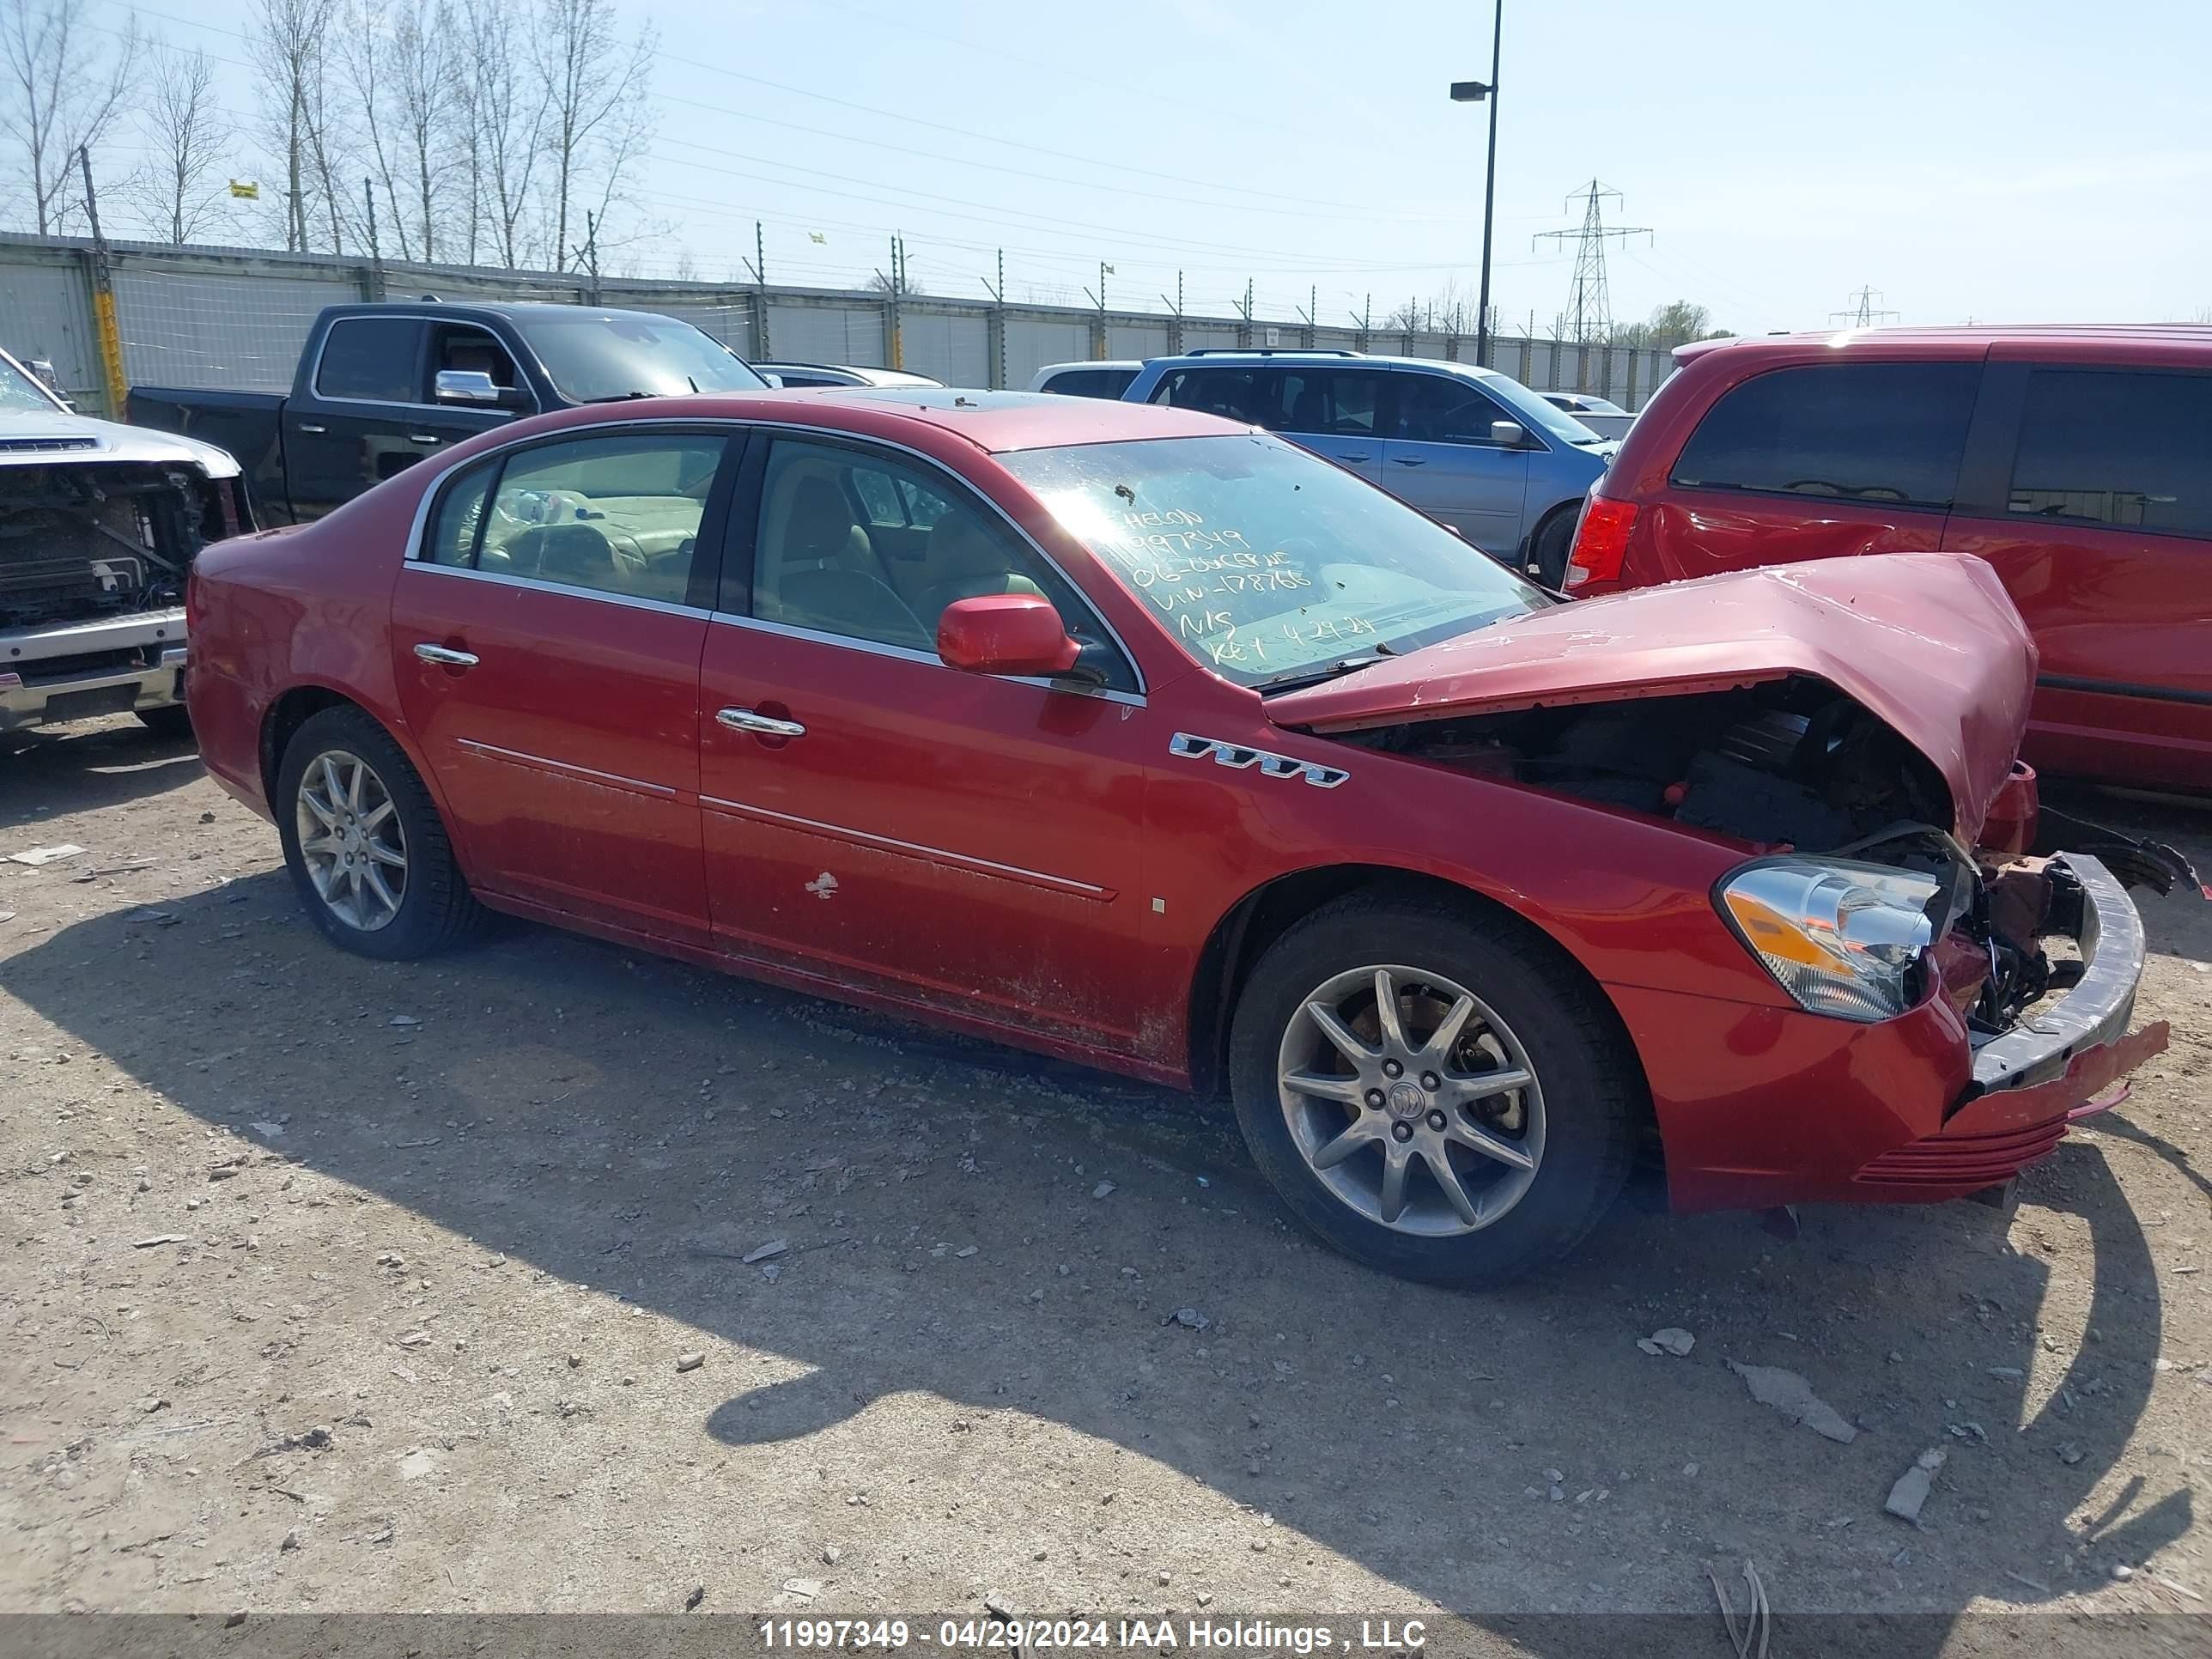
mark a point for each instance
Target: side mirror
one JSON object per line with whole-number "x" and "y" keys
{"x": 467, "y": 386}
{"x": 774, "y": 380}
{"x": 1508, "y": 434}
{"x": 1006, "y": 633}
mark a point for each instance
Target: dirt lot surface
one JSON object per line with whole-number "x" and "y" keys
{"x": 335, "y": 1286}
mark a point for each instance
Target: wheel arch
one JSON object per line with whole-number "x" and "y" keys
{"x": 1257, "y": 920}
{"x": 297, "y": 704}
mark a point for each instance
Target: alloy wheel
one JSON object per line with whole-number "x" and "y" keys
{"x": 1411, "y": 1100}
{"x": 351, "y": 839}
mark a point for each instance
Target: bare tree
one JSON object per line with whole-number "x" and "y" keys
{"x": 64, "y": 90}
{"x": 503, "y": 105}
{"x": 290, "y": 43}
{"x": 176, "y": 191}
{"x": 596, "y": 119}
{"x": 362, "y": 54}
{"x": 426, "y": 70}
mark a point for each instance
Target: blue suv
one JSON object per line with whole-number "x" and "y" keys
{"x": 1468, "y": 446}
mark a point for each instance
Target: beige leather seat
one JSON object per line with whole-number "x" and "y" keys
{"x": 964, "y": 560}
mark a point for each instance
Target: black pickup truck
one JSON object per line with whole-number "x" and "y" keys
{"x": 380, "y": 386}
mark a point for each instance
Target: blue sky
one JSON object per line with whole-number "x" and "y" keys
{"x": 2022, "y": 161}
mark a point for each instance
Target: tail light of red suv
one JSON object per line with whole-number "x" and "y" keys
{"x": 1600, "y": 541}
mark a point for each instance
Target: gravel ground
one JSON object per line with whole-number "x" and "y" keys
{"x": 547, "y": 1276}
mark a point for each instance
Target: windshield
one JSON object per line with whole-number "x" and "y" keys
{"x": 1266, "y": 564}
{"x": 597, "y": 356}
{"x": 1536, "y": 413}
{"x": 19, "y": 391}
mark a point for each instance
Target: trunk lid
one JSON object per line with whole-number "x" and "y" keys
{"x": 1928, "y": 642}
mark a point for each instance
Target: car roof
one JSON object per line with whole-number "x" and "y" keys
{"x": 431, "y": 305}
{"x": 1963, "y": 338}
{"x": 1106, "y": 362}
{"x": 997, "y": 422}
{"x": 1240, "y": 356}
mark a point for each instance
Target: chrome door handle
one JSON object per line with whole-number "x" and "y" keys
{"x": 445, "y": 657}
{"x": 1407, "y": 460}
{"x": 422, "y": 437}
{"x": 313, "y": 431}
{"x": 764, "y": 725}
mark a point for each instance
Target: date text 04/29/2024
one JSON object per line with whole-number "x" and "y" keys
{"x": 1246, "y": 1636}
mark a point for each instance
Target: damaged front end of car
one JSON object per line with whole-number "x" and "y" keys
{"x": 1854, "y": 732}
{"x": 96, "y": 552}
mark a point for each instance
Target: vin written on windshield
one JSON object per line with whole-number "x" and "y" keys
{"x": 1263, "y": 562}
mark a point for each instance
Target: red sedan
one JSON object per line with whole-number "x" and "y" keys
{"x": 1151, "y": 741}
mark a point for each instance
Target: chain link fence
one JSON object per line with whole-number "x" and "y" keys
{"x": 221, "y": 319}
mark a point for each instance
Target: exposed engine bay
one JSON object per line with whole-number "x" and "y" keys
{"x": 1793, "y": 766}
{"x": 79, "y": 542}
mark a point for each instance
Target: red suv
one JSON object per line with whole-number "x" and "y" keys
{"x": 2077, "y": 460}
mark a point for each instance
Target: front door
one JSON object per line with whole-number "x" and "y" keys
{"x": 1336, "y": 412}
{"x": 887, "y": 824}
{"x": 546, "y": 640}
{"x": 1444, "y": 461}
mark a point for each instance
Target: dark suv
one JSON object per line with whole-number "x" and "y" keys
{"x": 2077, "y": 460}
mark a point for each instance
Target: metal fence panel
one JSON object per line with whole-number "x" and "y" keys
{"x": 228, "y": 331}
{"x": 1033, "y": 342}
{"x": 729, "y": 320}
{"x": 952, "y": 346}
{"x": 45, "y": 311}
{"x": 1138, "y": 340}
{"x": 1199, "y": 337}
{"x": 1336, "y": 339}
{"x": 806, "y": 331}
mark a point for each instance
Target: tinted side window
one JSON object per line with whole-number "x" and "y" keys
{"x": 616, "y": 515}
{"x": 2117, "y": 447}
{"x": 1090, "y": 382}
{"x": 1338, "y": 403}
{"x": 1864, "y": 432}
{"x": 1235, "y": 394}
{"x": 1435, "y": 409}
{"x": 370, "y": 357}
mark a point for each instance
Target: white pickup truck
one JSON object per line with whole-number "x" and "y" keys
{"x": 99, "y": 527}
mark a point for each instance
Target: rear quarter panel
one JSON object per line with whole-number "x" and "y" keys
{"x": 303, "y": 607}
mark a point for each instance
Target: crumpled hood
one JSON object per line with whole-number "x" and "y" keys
{"x": 1928, "y": 642}
{"x": 96, "y": 440}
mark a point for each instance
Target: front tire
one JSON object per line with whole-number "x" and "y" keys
{"x": 1433, "y": 1090}
{"x": 368, "y": 853}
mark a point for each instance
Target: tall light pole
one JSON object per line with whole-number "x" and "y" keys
{"x": 1476, "y": 92}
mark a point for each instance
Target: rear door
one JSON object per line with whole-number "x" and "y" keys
{"x": 1444, "y": 460}
{"x": 1336, "y": 412}
{"x": 2095, "y": 505}
{"x": 546, "y": 641}
{"x": 350, "y": 429}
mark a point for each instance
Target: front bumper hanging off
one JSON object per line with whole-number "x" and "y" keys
{"x": 2054, "y": 1067}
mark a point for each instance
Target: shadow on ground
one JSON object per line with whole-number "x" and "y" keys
{"x": 632, "y": 1125}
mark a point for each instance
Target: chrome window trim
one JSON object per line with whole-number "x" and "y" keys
{"x": 539, "y": 585}
{"x": 927, "y": 658}
{"x": 438, "y": 484}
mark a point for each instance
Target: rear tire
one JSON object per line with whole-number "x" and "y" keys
{"x": 1526, "y": 1169}
{"x": 171, "y": 719}
{"x": 368, "y": 853}
{"x": 1549, "y": 547}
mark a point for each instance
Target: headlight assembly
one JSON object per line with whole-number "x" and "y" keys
{"x": 1842, "y": 939}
